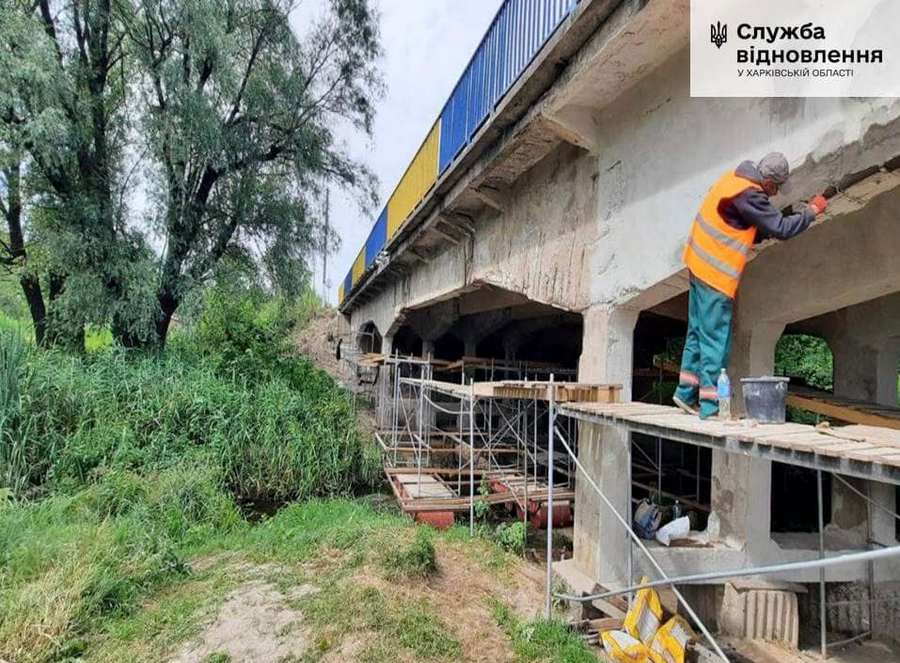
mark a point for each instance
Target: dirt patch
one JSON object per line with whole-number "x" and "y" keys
{"x": 317, "y": 339}
{"x": 256, "y": 623}
{"x": 460, "y": 594}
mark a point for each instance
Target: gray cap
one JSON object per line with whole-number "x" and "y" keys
{"x": 774, "y": 166}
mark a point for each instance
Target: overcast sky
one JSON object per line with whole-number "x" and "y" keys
{"x": 426, "y": 43}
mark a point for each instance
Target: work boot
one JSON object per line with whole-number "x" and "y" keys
{"x": 684, "y": 407}
{"x": 709, "y": 410}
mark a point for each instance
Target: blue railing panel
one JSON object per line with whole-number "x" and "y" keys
{"x": 518, "y": 32}
{"x": 377, "y": 238}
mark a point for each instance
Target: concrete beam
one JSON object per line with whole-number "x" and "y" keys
{"x": 492, "y": 197}
{"x": 575, "y": 125}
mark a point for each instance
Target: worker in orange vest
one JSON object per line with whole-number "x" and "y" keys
{"x": 735, "y": 214}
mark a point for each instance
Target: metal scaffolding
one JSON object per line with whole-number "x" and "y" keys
{"x": 657, "y": 420}
{"x": 449, "y": 445}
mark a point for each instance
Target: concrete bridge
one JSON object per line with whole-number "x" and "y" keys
{"x": 555, "y": 233}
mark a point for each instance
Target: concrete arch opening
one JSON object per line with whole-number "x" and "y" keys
{"x": 406, "y": 342}
{"x": 368, "y": 339}
{"x": 491, "y": 324}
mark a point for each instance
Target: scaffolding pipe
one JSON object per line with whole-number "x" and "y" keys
{"x": 693, "y": 615}
{"x": 823, "y": 609}
{"x": 629, "y": 513}
{"x": 785, "y": 567}
{"x": 471, "y": 458}
{"x": 550, "y": 423}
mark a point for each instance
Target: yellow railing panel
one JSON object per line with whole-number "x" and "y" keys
{"x": 359, "y": 266}
{"x": 416, "y": 181}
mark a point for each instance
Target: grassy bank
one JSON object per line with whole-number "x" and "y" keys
{"x": 123, "y": 484}
{"x": 116, "y": 468}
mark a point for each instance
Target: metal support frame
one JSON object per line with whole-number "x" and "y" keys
{"x": 492, "y": 436}
{"x": 626, "y": 523}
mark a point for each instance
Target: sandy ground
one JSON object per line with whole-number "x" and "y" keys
{"x": 254, "y": 624}
{"x": 317, "y": 341}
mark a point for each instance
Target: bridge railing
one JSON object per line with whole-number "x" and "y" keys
{"x": 517, "y": 33}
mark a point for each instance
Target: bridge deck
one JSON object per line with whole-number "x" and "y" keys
{"x": 868, "y": 452}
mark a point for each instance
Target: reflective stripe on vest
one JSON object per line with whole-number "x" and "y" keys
{"x": 716, "y": 253}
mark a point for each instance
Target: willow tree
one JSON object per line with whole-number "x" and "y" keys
{"x": 63, "y": 91}
{"x": 240, "y": 118}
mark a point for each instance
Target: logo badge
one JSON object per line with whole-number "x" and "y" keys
{"x": 718, "y": 33}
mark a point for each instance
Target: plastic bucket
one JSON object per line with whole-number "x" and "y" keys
{"x": 764, "y": 398}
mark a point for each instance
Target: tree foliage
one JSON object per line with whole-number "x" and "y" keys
{"x": 806, "y": 357}
{"x": 222, "y": 115}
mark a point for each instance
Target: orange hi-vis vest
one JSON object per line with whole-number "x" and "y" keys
{"x": 717, "y": 252}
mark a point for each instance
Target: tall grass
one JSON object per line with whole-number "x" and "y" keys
{"x": 14, "y": 427}
{"x": 125, "y": 464}
{"x": 288, "y": 436}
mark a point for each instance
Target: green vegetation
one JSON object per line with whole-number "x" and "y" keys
{"x": 223, "y": 114}
{"x": 541, "y": 640}
{"x": 414, "y": 560}
{"x": 119, "y": 466}
{"x": 806, "y": 357}
{"x": 385, "y": 624}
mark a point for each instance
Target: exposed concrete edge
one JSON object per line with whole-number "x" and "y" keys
{"x": 852, "y": 197}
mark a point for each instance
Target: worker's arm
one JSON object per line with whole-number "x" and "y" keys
{"x": 757, "y": 210}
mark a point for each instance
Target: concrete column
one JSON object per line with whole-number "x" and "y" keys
{"x": 427, "y": 347}
{"x": 752, "y": 353}
{"x": 740, "y": 500}
{"x": 883, "y": 524}
{"x": 608, "y": 347}
{"x": 865, "y": 371}
{"x": 848, "y": 510}
{"x": 470, "y": 347}
{"x": 387, "y": 344}
{"x": 742, "y": 486}
{"x": 600, "y": 547}
{"x": 886, "y": 380}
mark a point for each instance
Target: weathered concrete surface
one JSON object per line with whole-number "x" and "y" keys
{"x": 535, "y": 247}
{"x": 584, "y": 205}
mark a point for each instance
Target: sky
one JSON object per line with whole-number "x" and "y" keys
{"x": 426, "y": 44}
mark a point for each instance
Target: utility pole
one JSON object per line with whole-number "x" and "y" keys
{"x": 325, "y": 249}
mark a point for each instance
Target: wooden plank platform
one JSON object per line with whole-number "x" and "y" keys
{"x": 423, "y": 486}
{"x": 433, "y": 494}
{"x": 843, "y": 409}
{"x": 563, "y": 392}
{"x": 868, "y": 452}
{"x": 488, "y": 363}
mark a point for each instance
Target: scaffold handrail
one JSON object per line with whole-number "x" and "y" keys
{"x": 785, "y": 567}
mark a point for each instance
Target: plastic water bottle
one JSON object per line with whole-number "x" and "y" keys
{"x": 723, "y": 389}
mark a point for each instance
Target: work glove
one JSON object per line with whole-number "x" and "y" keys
{"x": 818, "y": 203}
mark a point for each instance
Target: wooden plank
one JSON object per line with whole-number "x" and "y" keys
{"x": 845, "y": 411}
{"x": 790, "y": 436}
{"x": 606, "y": 624}
{"x": 840, "y": 450}
{"x": 884, "y": 455}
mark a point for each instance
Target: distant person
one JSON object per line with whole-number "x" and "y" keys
{"x": 735, "y": 214}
